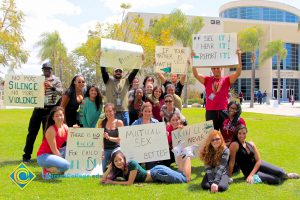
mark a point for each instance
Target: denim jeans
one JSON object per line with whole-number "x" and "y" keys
{"x": 163, "y": 174}
{"x": 124, "y": 116}
{"x": 106, "y": 159}
{"x": 50, "y": 160}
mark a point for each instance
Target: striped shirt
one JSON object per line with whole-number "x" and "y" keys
{"x": 51, "y": 94}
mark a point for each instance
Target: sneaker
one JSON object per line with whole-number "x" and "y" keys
{"x": 177, "y": 150}
{"x": 293, "y": 176}
{"x": 189, "y": 151}
{"x": 46, "y": 174}
{"x": 26, "y": 160}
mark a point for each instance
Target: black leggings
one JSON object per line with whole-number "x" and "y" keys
{"x": 223, "y": 184}
{"x": 271, "y": 174}
{"x": 218, "y": 117}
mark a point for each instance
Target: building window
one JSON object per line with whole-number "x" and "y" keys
{"x": 260, "y": 13}
{"x": 244, "y": 85}
{"x": 291, "y": 62}
{"x": 246, "y": 61}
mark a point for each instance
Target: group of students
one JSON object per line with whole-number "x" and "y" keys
{"x": 224, "y": 151}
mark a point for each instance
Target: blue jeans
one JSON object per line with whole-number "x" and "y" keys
{"x": 50, "y": 160}
{"x": 107, "y": 156}
{"x": 124, "y": 116}
{"x": 163, "y": 174}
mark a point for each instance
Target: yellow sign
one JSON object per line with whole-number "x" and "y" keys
{"x": 22, "y": 176}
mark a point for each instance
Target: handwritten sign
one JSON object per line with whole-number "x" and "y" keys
{"x": 24, "y": 90}
{"x": 120, "y": 54}
{"x": 84, "y": 151}
{"x": 145, "y": 143}
{"x": 215, "y": 50}
{"x": 193, "y": 134}
{"x": 171, "y": 59}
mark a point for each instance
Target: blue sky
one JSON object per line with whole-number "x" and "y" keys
{"x": 73, "y": 18}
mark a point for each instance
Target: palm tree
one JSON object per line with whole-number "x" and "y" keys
{"x": 275, "y": 48}
{"x": 249, "y": 41}
{"x": 53, "y": 49}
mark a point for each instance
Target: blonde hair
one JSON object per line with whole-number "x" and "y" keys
{"x": 208, "y": 154}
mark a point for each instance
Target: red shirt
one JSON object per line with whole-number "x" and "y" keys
{"x": 220, "y": 100}
{"x": 227, "y": 130}
{"x": 169, "y": 129}
{"x": 156, "y": 109}
{"x": 45, "y": 148}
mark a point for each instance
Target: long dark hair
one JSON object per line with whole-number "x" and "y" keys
{"x": 72, "y": 85}
{"x": 236, "y": 132}
{"x": 50, "y": 120}
{"x": 115, "y": 172}
{"x": 98, "y": 100}
{"x": 145, "y": 80}
{"x": 104, "y": 121}
{"x": 237, "y": 114}
{"x": 162, "y": 92}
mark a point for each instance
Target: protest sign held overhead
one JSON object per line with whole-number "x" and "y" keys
{"x": 215, "y": 50}
{"x": 24, "y": 90}
{"x": 84, "y": 151}
{"x": 120, "y": 54}
{"x": 144, "y": 143}
{"x": 171, "y": 59}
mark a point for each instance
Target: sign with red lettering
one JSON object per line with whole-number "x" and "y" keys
{"x": 145, "y": 143}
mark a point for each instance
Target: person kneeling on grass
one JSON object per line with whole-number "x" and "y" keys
{"x": 132, "y": 172}
{"x": 254, "y": 169}
{"x": 215, "y": 156}
{"x": 50, "y": 156}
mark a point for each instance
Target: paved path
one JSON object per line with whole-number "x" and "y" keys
{"x": 285, "y": 109}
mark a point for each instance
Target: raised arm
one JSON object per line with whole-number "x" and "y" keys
{"x": 233, "y": 77}
{"x": 257, "y": 163}
{"x": 161, "y": 77}
{"x": 132, "y": 75}
{"x": 105, "y": 75}
{"x": 198, "y": 76}
{"x": 182, "y": 78}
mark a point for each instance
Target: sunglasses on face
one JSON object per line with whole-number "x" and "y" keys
{"x": 215, "y": 68}
{"x": 81, "y": 82}
{"x": 168, "y": 101}
{"x": 215, "y": 139}
{"x": 118, "y": 71}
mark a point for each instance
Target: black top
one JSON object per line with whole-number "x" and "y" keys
{"x": 112, "y": 133}
{"x": 245, "y": 161}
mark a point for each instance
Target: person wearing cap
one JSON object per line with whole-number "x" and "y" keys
{"x": 53, "y": 89}
{"x": 117, "y": 91}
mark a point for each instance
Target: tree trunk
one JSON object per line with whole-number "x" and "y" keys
{"x": 252, "y": 79}
{"x": 60, "y": 70}
{"x": 278, "y": 80}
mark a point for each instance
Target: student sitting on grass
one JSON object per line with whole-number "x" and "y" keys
{"x": 215, "y": 156}
{"x": 132, "y": 172}
{"x": 254, "y": 169}
{"x": 50, "y": 155}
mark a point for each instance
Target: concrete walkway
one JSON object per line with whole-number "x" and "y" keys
{"x": 285, "y": 109}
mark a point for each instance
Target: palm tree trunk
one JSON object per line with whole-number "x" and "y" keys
{"x": 252, "y": 79}
{"x": 60, "y": 70}
{"x": 278, "y": 80}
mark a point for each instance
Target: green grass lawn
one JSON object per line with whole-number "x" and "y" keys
{"x": 276, "y": 137}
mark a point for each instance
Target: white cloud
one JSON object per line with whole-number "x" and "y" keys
{"x": 114, "y": 5}
{"x": 48, "y": 8}
{"x": 186, "y": 8}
